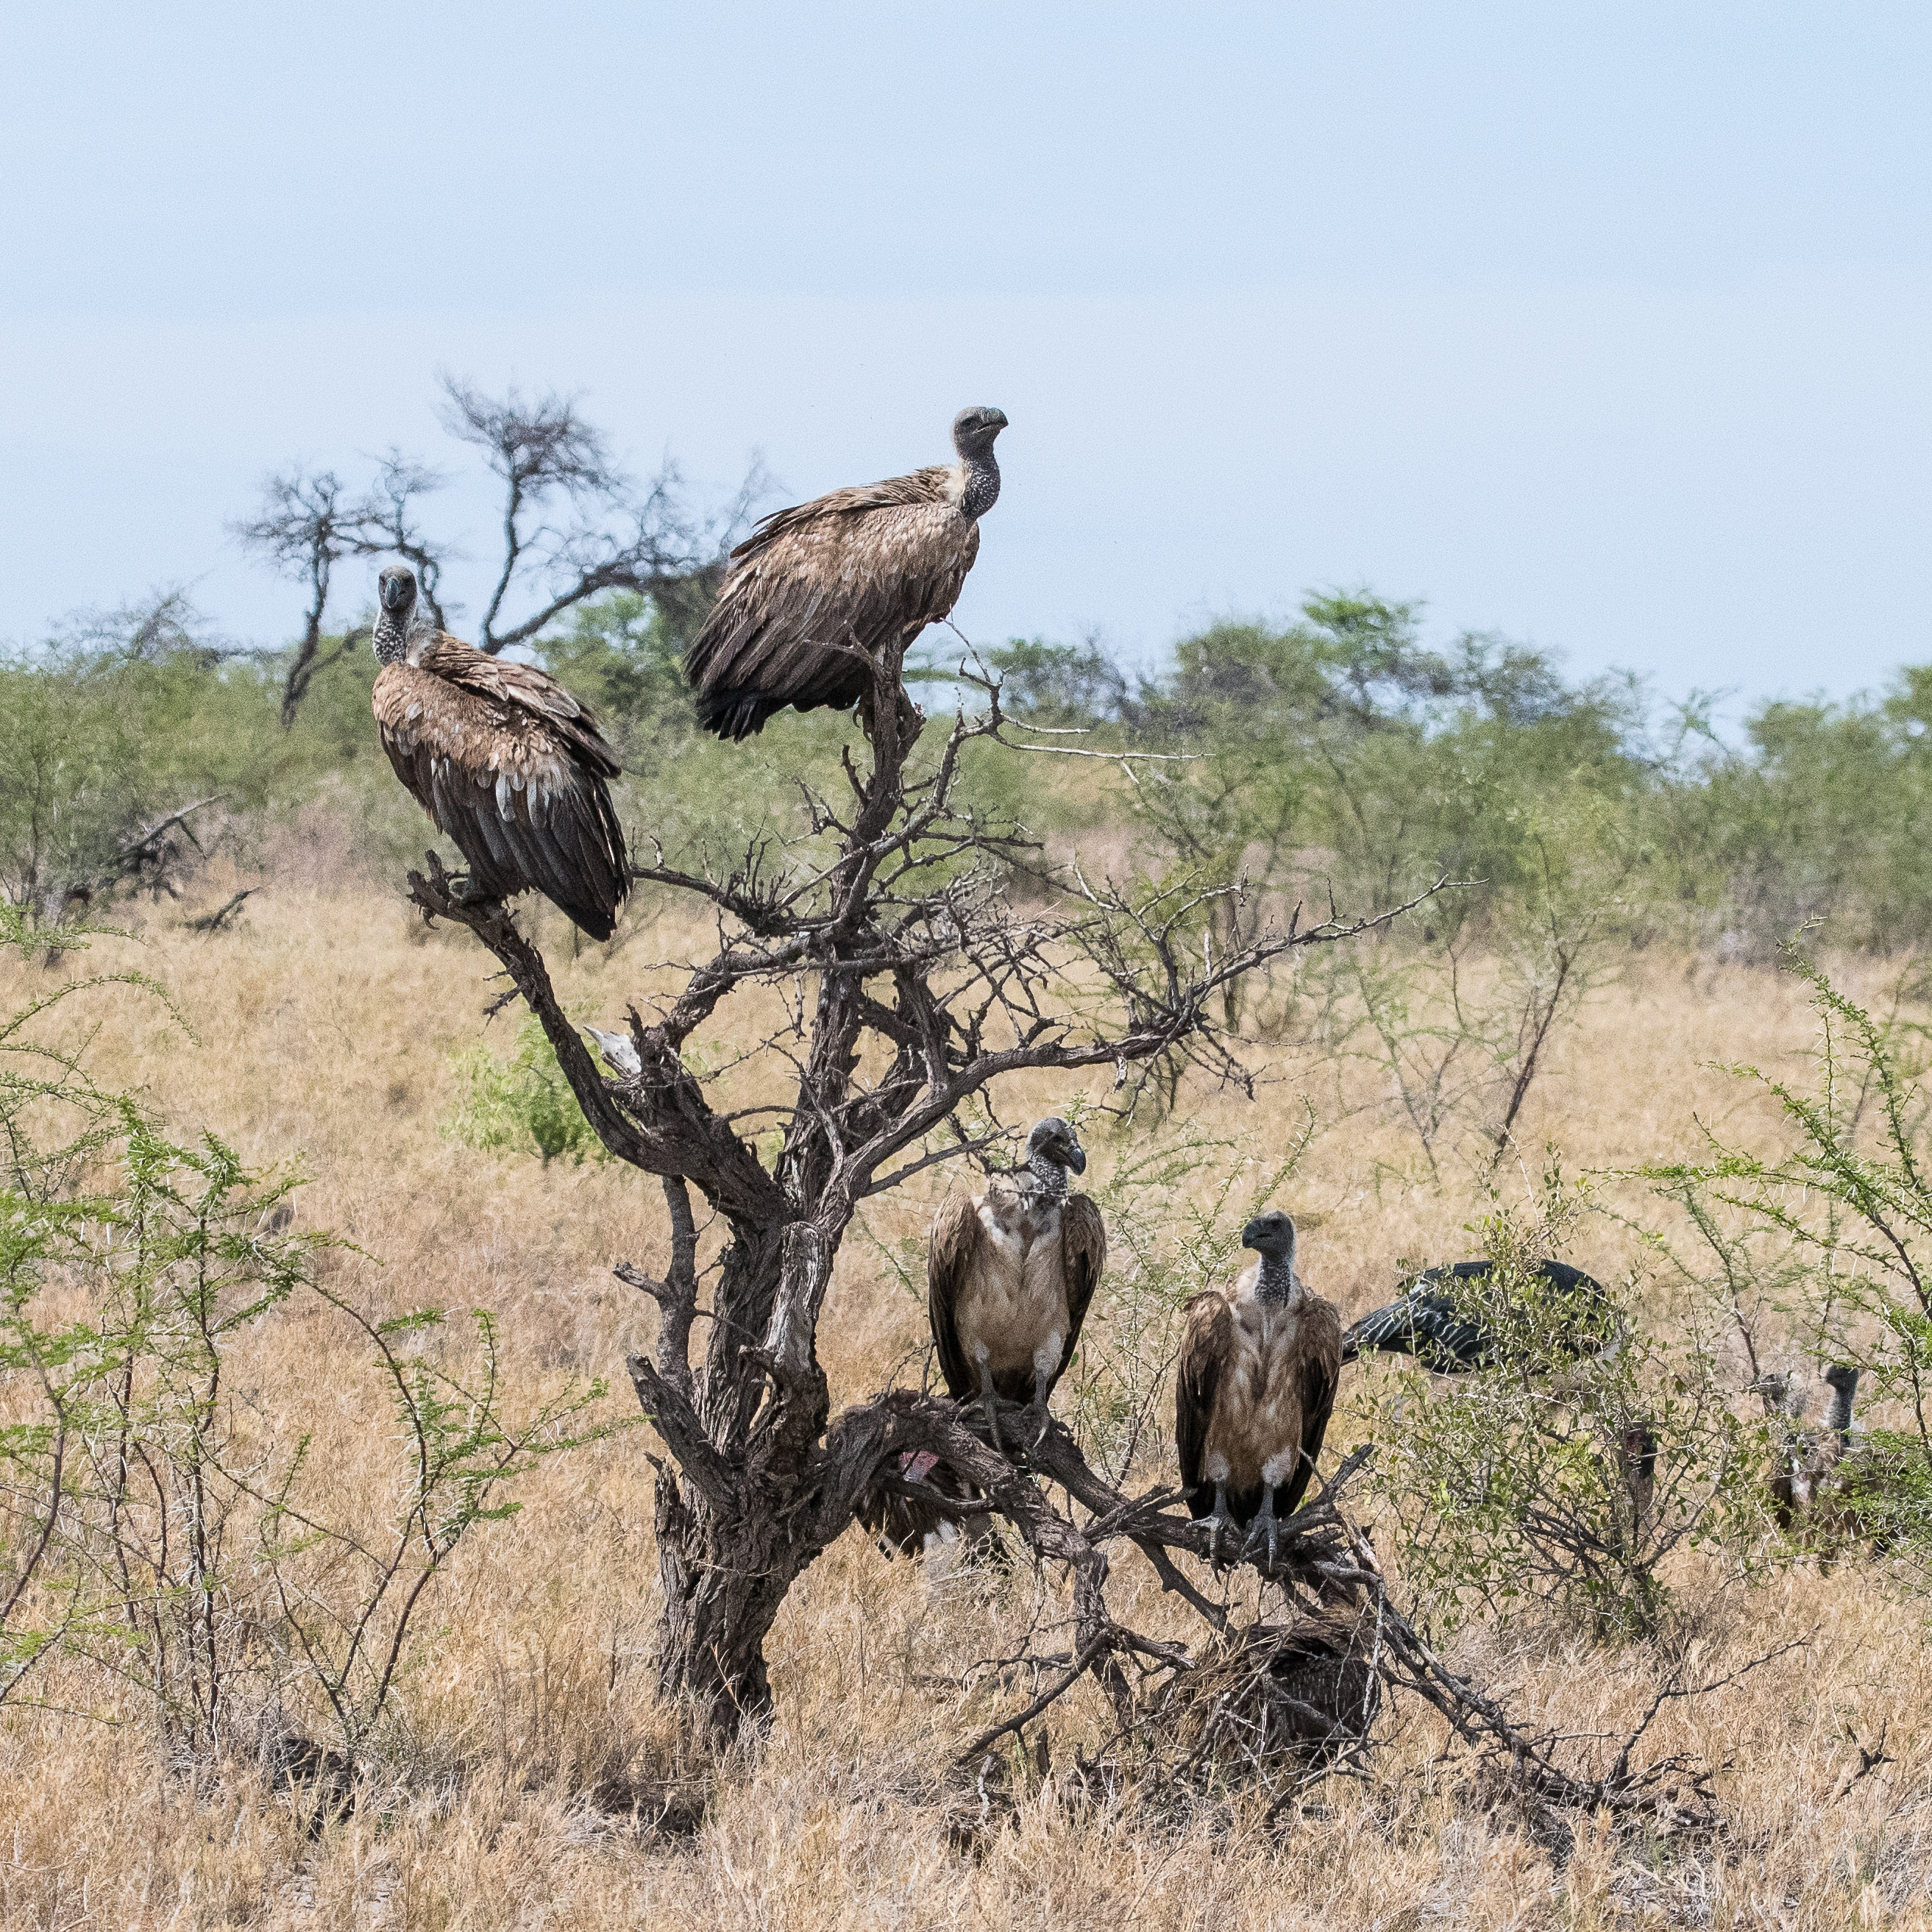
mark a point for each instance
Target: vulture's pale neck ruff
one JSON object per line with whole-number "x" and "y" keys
{"x": 391, "y": 636}
{"x": 982, "y": 479}
{"x": 1049, "y": 1178}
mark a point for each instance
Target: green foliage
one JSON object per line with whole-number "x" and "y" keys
{"x": 1563, "y": 1472}
{"x": 160, "y": 1516}
{"x": 521, "y": 1106}
{"x": 1338, "y": 750}
{"x": 1848, "y": 1199}
{"x": 105, "y": 737}
{"x": 622, "y": 655}
{"x": 1058, "y": 684}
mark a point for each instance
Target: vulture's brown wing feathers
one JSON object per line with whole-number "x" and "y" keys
{"x": 816, "y": 590}
{"x": 1204, "y": 1342}
{"x": 1083, "y": 1256}
{"x": 513, "y": 768}
{"x": 950, "y": 1260}
{"x": 1319, "y": 1334}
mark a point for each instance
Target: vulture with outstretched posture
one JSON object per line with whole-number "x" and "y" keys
{"x": 1009, "y": 1275}
{"x": 1259, "y": 1362}
{"x": 815, "y": 591}
{"x": 1432, "y": 1321}
{"x": 509, "y": 764}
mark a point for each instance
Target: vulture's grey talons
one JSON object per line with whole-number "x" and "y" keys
{"x": 1038, "y": 1415}
{"x": 990, "y": 1402}
{"x": 1264, "y": 1535}
{"x": 1218, "y": 1521}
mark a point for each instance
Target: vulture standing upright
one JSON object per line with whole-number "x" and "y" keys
{"x": 1259, "y": 1362}
{"x": 1009, "y": 1275}
{"x": 506, "y": 761}
{"x": 815, "y": 591}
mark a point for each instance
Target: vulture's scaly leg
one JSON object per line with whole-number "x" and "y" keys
{"x": 990, "y": 1402}
{"x": 1037, "y": 1415}
{"x": 1264, "y": 1530}
{"x": 1217, "y": 1523}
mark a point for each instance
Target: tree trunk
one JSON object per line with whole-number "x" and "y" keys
{"x": 732, "y": 1542}
{"x": 723, "y": 1581}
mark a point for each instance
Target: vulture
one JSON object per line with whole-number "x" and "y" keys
{"x": 509, "y": 764}
{"x": 1429, "y": 1321}
{"x": 1813, "y": 1463}
{"x": 1259, "y": 1362}
{"x": 815, "y": 591}
{"x": 909, "y": 1524}
{"x": 1009, "y": 1275}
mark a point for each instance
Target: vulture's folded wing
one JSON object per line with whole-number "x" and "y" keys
{"x": 1205, "y": 1340}
{"x": 951, "y": 1258}
{"x": 526, "y": 688}
{"x": 1083, "y": 1254}
{"x": 1319, "y": 1335}
{"x": 525, "y": 808}
{"x": 816, "y": 590}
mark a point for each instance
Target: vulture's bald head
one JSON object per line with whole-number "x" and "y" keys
{"x": 1053, "y": 1139}
{"x": 1271, "y": 1235}
{"x": 396, "y": 588}
{"x": 973, "y": 431}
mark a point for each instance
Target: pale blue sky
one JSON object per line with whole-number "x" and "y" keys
{"x": 1603, "y": 325}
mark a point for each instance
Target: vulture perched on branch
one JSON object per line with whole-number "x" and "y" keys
{"x": 1439, "y": 1327}
{"x": 1259, "y": 1362}
{"x": 1009, "y": 1275}
{"x": 509, "y": 764}
{"x": 815, "y": 592}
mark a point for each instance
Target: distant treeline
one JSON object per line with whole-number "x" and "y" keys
{"x": 1337, "y": 750}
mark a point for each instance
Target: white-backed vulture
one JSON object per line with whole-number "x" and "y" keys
{"x": 816, "y": 590}
{"x": 1431, "y": 1321}
{"x": 1259, "y": 1362}
{"x": 1009, "y": 1275}
{"x": 910, "y": 1524}
{"x": 506, "y": 761}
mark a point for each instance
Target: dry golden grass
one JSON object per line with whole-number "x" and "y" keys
{"x": 327, "y": 1024}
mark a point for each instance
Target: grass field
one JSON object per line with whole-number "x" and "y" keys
{"x": 531, "y": 1781}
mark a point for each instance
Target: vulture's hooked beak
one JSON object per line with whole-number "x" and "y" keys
{"x": 1076, "y": 1158}
{"x": 1250, "y": 1234}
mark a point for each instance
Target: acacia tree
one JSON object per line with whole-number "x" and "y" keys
{"x": 914, "y": 988}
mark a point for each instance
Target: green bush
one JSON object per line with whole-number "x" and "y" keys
{"x": 1563, "y": 1472}
{"x": 520, "y": 1105}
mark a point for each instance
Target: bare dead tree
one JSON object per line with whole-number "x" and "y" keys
{"x": 389, "y": 528}
{"x": 611, "y": 536}
{"x": 888, "y": 934}
{"x": 911, "y": 987}
{"x": 308, "y": 524}
{"x": 546, "y": 456}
